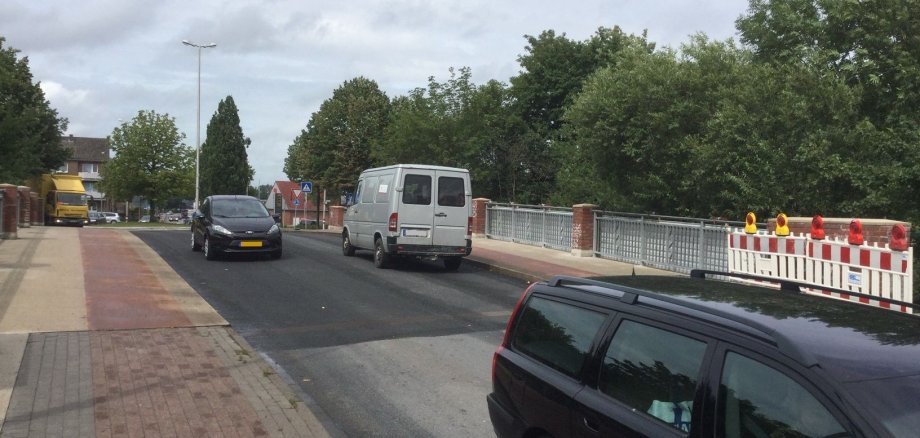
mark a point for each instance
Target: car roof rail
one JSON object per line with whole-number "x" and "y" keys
{"x": 631, "y": 296}
{"x": 796, "y": 286}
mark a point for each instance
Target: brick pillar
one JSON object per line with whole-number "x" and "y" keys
{"x": 479, "y": 217}
{"x": 25, "y": 207}
{"x": 583, "y": 230}
{"x": 37, "y": 208}
{"x": 10, "y": 212}
{"x": 336, "y": 216}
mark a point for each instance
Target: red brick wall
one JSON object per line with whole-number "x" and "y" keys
{"x": 479, "y": 216}
{"x": 25, "y": 206}
{"x": 583, "y": 229}
{"x": 10, "y": 212}
{"x": 336, "y": 216}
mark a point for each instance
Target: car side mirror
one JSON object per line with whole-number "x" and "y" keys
{"x": 196, "y": 214}
{"x": 277, "y": 218}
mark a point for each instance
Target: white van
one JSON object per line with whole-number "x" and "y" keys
{"x": 410, "y": 210}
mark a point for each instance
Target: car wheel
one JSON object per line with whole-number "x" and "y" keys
{"x": 381, "y": 258}
{"x": 209, "y": 253}
{"x": 347, "y": 249}
{"x": 452, "y": 263}
{"x": 195, "y": 245}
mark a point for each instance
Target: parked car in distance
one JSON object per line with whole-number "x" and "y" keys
{"x": 681, "y": 356}
{"x": 96, "y": 217}
{"x": 145, "y": 218}
{"x": 111, "y": 217}
{"x": 411, "y": 210}
{"x": 235, "y": 224}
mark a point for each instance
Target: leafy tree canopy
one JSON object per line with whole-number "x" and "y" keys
{"x": 30, "y": 130}
{"x": 150, "y": 160}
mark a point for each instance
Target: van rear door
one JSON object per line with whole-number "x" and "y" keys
{"x": 451, "y": 210}
{"x": 416, "y": 207}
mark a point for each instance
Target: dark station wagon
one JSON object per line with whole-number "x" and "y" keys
{"x": 697, "y": 357}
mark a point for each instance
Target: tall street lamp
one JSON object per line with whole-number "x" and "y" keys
{"x": 198, "y": 115}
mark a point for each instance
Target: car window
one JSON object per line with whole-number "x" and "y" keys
{"x": 653, "y": 371}
{"x": 383, "y": 189}
{"x": 417, "y": 190}
{"x": 451, "y": 192}
{"x": 557, "y": 334}
{"x": 370, "y": 189}
{"x": 757, "y": 400}
{"x": 358, "y": 191}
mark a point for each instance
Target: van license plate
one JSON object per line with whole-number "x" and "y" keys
{"x": 406, "y": 232}
{"x": 251, "y": 244}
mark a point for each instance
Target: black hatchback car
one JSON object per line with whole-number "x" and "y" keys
{"x": 234, "y": 224}
{"x": 695, "y": 357}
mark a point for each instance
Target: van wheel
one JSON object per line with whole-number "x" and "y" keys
{"x": 381, "y": 258}
{"x": 195, "y": 245}
{"x": 347, "y": 249}
{"x": 452, "y": 263}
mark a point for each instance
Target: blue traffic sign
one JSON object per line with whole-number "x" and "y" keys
{"x": 296, "y": 202}
{"x": 306, "y": 186}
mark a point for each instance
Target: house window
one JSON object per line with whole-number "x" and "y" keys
{"x": 89, "y": 167}
{"x": 89, "y": 186}
{"x": 63, "y": 168}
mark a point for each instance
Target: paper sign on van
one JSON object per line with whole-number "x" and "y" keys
{"x": 383, "y": 188}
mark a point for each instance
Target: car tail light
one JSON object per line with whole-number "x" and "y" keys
{"x": 391, "y": 225}
{"x": 469, "y": 226}
{"x": 507, "y": 338}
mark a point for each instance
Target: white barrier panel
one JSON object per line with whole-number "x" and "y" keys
{"x": 871, "y": 270}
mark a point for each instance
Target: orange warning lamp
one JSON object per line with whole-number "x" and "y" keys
{"x": 750, "y": 223}
{"x": 782, "y": 225}
{"x": 898, "y": 240}
{"x": 817, "y": 227}
{"x": 856, "y": 233}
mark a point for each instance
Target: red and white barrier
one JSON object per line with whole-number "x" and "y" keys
{"x": 871, "y": 270}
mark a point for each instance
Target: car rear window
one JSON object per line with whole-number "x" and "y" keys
{"x": 557, "y": 334}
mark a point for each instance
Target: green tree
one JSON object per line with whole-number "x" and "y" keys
{"x": 30, "y": 130}
{"x": 337, "y": 142}
{"x": 224, "y": 165}
{"x": 150, "y": 160}
{"x": 871, "y": 45}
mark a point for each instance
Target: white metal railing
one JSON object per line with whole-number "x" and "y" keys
{"x": 665, "y": 242}
{"x": 537, "y": 225}
{"x": 871, "y": 270}
{"x": 90, "y": 176}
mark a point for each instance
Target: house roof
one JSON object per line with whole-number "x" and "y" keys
{"x": 87, "y": 148}
{"x": 286, "y": 189}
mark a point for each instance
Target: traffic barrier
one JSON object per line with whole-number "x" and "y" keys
{"x": 873, "y": 270}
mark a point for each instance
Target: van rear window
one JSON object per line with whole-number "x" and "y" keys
{"x": 450, "y": 192}
{"x": 417, "y": 190}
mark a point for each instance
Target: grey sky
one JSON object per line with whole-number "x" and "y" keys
{"x": 101, "y": 61}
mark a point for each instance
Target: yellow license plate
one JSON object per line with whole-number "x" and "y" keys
{"x": 251, "y": 244}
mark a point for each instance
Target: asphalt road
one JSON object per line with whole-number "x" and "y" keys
{"x": 395, "y": 352}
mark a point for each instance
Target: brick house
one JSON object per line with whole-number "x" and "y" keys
{"x": 282, "y": 200}
{"x": 88, "y": 157}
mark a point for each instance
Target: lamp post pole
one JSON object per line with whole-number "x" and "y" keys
{"x": 198, "y": 115}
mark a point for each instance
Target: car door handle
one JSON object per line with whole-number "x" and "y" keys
{"x": 441, "y": 214}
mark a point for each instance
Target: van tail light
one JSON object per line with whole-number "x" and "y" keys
{"x": 469, "y": 226}
{"x": 507, "y": 338}
{"x": 391, "y": 225}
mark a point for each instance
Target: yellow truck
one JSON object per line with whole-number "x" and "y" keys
{"x": 64, "y": 199}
